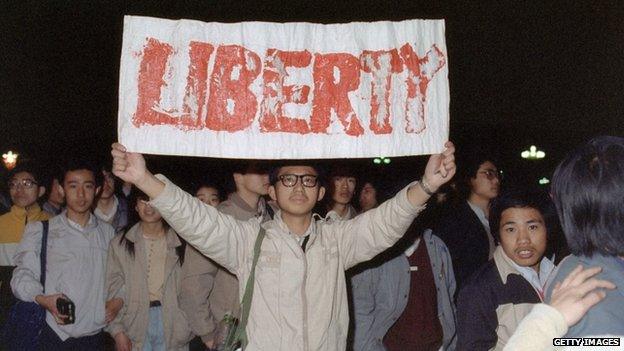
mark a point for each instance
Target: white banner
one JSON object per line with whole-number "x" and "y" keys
{"x": 283, "y": 91}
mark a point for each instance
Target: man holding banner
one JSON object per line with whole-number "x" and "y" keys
{"x": 300, "y": 298}
{"x": 257, "y": 90}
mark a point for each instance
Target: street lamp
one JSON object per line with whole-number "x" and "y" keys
{"x": 9, "y": 159}
{"x": 533, "y": 153}
{"x": 543, "y": 181}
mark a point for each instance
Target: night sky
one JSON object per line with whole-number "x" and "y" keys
{"x": 521, "y": 73}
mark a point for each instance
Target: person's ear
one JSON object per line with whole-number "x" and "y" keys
{"x": 272, "y": 193}
{"x": 321, "y": 194}
{"x": 41, "y": 191}
{"x": 61, "y": 190}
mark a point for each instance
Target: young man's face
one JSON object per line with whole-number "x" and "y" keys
{"x": 108, "y": 188}
{"x": 208, "y": 195}
{"x": 24, "y": 190}
{"x": 253, "y": 182}
{"x": 146, "y": 212}
{"x": 486, "y": 183}
{"x": 368, "y": 197}
{"x": 523, "y": 236}
{"x": 79, "y": 189}
{"x": 343, "y": 189}
{"x": 298, "y": 198}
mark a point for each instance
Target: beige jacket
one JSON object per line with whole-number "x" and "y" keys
{"x": 210, "y": 290}
{"x": 126, "y": 277}
{"x": 300, "y": 299}
{"x": 541, "y": 326}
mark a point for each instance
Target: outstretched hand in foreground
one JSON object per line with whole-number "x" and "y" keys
{"x": 579, "y": 292}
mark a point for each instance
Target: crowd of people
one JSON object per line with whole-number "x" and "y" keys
{"x": 298, "y": 257}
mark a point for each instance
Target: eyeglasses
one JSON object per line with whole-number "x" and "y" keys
{"x": 290, "y": 180}
{"x": 490, "y": 174}
{"x": 24, "y": 183}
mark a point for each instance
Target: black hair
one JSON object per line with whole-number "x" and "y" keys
{"x": 209, "y": 184}
{"x": 76, "y": 164}
{"x": 468, "y": 165}
{"x": 105, "y": 166}
{"x": 134, "y": 218}
{"x": 245, "y": 167}
{"x": 54, "y": 173}
{"x": 588, "y": 191}
{"x": 525, "y": 198}
{"x": 382, "y": 191}
{"x": 30, "y": 168}
{"x": 337, "y": 170}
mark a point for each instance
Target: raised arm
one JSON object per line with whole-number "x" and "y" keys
{"x": 131, "y": 168}
{"x": 368, "y": 234}
{"x": 214, "y": 234}
{"x": 439, "y": 170}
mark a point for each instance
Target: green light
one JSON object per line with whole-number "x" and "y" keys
{"x": 381, "y": 160}
{"x": 533, "y": 153}
{"x": 544, "y": 181}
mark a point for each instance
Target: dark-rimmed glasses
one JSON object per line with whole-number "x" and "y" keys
{"x": 290, "y": 180}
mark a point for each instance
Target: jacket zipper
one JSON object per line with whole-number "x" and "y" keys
{"x": 304, "y": 301}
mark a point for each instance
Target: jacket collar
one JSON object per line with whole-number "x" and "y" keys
{"x": 134, "y": 234}
{"x": 91, "y": 223}
{"x": 239, "y": 202}
{"x": 278, "y": 226}
{"x": 22, "y": 213}
{"x": 503, "y": 264}
{"x": 334, "y": 216}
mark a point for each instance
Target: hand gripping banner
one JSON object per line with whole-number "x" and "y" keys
{"x": 283, "y": 90}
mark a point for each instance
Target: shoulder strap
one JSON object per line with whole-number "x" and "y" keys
{"x": 270, "y": 211}
{"x": 249, "y": 287}
{"x": 43, "y": 254}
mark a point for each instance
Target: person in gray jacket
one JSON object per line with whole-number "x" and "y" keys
{"x": 383, "y": 288}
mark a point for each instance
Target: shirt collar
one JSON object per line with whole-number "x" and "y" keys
{"x": 538, "y": 281}
{"x": 507, "y": 266}
{"x": 92, "y": 222}
{"x": 135, "y": 234}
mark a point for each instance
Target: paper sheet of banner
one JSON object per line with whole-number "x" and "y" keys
{"x": 283, "y": 91}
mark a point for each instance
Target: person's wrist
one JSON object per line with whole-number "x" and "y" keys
{"x": 143, "y": 179}
{"x": 426, "y": 186}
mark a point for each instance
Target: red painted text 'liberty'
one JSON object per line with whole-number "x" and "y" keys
{"x": 220, "y": 97}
